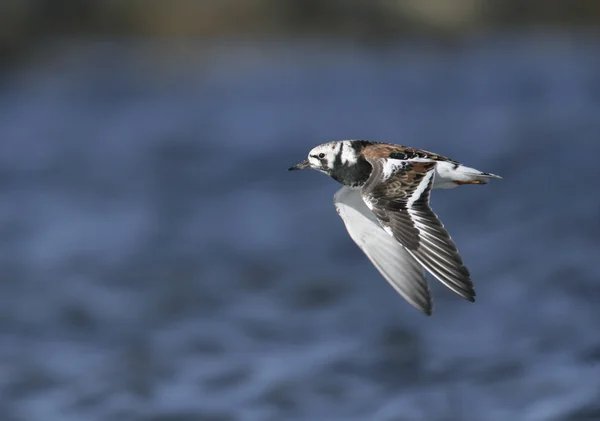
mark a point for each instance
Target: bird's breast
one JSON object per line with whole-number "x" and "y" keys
{"x": 353, "y": 175}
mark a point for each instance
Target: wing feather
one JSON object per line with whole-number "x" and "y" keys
{"x": 392, "y": 260}
{"x": 397, "y": 192}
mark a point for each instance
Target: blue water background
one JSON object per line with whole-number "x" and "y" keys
{"x": 159, "y": 262}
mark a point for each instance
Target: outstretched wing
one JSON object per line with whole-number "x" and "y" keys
{"x": 392, "y": 260}
{"x": 397, "y": 192}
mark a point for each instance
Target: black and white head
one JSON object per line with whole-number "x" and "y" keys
{"x": 341, "y": 160}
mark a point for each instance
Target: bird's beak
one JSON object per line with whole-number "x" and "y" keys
{"x": 300, "y": 166}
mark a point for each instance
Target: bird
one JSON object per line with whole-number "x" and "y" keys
{"x": 384, "y": 203}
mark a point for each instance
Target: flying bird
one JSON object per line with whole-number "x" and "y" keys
{"x": 384, "y": 203}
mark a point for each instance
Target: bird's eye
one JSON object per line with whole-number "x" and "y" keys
{"x": 321, "y": 155}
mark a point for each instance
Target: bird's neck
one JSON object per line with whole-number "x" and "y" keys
{"x": 352, "y": 175}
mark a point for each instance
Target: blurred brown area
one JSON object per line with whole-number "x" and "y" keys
{"x": 24, "y": 23}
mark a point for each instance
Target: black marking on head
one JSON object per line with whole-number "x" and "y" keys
{"x": 338, "y": 157}
{"x": 321, "y": 157}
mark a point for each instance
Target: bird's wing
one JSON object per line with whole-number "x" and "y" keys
{"x": 397, "y": 192}
{"x": 396, "y": 265}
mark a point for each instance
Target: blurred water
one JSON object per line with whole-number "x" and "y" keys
{"x": 160, "y": 263}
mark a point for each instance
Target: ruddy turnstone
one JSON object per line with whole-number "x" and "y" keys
{"x": 384, "y": 203}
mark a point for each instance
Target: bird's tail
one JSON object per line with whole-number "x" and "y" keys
{"x": 467, "y": 175}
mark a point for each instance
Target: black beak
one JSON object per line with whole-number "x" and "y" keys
{"x": 300, "y": 166}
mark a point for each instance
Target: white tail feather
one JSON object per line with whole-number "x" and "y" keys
{"x": 448, "y": 175}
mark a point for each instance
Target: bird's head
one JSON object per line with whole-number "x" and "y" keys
{"x": 322, "y": 158}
